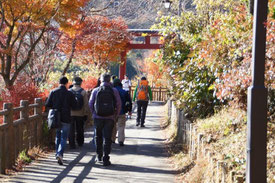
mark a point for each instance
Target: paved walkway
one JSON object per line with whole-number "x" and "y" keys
{"x": 142, "y": 159}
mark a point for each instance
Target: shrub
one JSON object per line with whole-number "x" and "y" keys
{"x": 89, "y": 83}
{"x": 22, "y": 90}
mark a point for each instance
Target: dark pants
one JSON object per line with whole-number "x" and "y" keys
{"x": 141, "y": 111}
{"x": 77, "y": 125}
{"x": 103, "y": 126}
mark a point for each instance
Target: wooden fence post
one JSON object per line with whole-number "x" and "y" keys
{"x": 224, "y": 172}
{"x": 24, "y": 114}
{"x": 2, "y": 152}
{"x": 9, "y": 137}
{"x": 199, "y": 145}
{"x": 39, "y": 122}
{"x": 190, "y": 140}
{"x": 160, "y": 94}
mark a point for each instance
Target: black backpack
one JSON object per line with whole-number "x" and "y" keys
{"x": 128, "y": 103}
{"x": 79, "y": 99}
{"x": 105, "y": 101}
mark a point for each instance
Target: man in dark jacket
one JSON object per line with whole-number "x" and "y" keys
{"x": 104, "y": 124}
{"x": 60, "y": 98}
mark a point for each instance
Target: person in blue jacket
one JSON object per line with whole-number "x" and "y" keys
{"x": 126, "y": 106}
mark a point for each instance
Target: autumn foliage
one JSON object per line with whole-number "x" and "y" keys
{"x": 22, "y": 90}
{"x": 155, "y": 72}
{"x": 95, "y": 40}
{"x": 209, "y": 59}
{"x": 23, "y": 24}
{"x": 89, "y": 83}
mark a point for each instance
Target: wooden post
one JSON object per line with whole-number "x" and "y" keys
{"x": 232, "y": 176}
{"x": 16, "y": 140}
{"x": 160, "y": 94}
{"x": 122, "y": 68}
{"x": 224, "y": 171}
{"x": 199, "y": 145}
{"x": 218, "y": 171}
{"x": 9, "y": 137}
{"x": 2, "y": 153}
{"x": 190, "y": 140}
{"x": 24, "y": 114}
{"x": 39, "y": 122}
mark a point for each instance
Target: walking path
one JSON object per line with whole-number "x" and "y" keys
{"x": 142, "y": 159}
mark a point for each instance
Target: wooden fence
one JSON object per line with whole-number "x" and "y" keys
{"x": 158, "y": 93}
{"x": 20, "y": 134}
{"x": 196, "y": 142}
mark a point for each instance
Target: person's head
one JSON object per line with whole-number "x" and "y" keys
{"x": 143, "y": 78}
{"x": 125, "y": 77}
{"x": 117, "y": 82}
{"x": 105, "y": 78}
{"x": 63, "y": 81}
{"x": 77, "y": 81}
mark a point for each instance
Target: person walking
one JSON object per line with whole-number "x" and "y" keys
{"x": 143, "y": 94}
{"x": 79, "y": 114}
{"x": 105, "y": 105}
{"x": 126, "y": 85}
{"x": 121, "y": 120}
{"x": 63, "y": 100}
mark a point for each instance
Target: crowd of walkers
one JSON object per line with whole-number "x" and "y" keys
{"x": 109, "y": 105}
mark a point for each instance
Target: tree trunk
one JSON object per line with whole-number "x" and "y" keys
{"x": 70, "y": 59}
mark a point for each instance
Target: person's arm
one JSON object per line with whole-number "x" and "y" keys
{"x": 130, "y": 85}
{"x": 118, "y": 101}
{"x": 150, "y": 93}
{"x": 128, "y": 99}
{"x": 49, "y": 102}
{"x": 135, "y": 93}
{"x": 92, "y": 101}
{"x": 86, "y": 103}
{"x": 73, "y": 100}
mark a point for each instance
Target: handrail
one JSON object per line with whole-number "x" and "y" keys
{"x": 3, "y": 112}
{"x": 19, "y": 134}
{"x": 18, "y": 109}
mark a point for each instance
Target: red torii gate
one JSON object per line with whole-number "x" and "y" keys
{"x": 147, "y": 43}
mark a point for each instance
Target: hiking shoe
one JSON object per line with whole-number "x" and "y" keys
{"x": 99, "y": 158}
{"x": 59, "y": 160}
{"x": 107, "y": 163}
{"x": 121, "y": 143}
{"x": 142, "y": 125}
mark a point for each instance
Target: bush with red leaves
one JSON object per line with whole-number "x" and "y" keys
{"x": 89, "y": 83}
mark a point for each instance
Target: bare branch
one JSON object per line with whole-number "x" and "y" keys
{"x": 27, "y": 60}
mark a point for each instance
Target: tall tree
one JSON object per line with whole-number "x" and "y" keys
{"x": 22, "y": 26}
{"x": 97, "y": 40}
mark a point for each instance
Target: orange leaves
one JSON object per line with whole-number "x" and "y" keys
{"x": 97, "y": 38}
{"x": 152, "y": 69}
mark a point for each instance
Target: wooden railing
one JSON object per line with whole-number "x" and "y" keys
{"x": 158, "y": 93}
{"x": 21, "y": 134}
